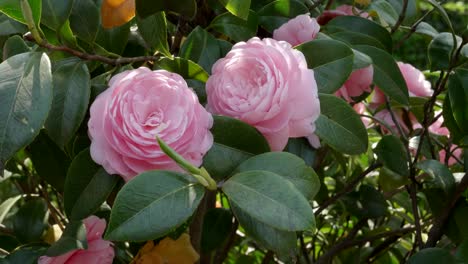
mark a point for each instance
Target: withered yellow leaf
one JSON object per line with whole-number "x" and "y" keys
{"x": 115, "y": 13}
{"x": 167, "y": 251}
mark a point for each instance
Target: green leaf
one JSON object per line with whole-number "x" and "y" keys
{"x": 363, "y": 27}
{"x": 72, "y": 90}
{"x": 73, "y": 237}
{"x": 280, "y": 241}
{"x": 390, "y": 180}
{"x": 25, "y": 99}
{"x": 217, "y": 225}
{"x": 440, "y": 177}
{"x": 234, "y": 142}
{"x": 270, "y": 199}
{"x": 6, "y": 205}
{"x": 25, "y": 254}
{"x": 368, "y": 202}
{"x": 426, "y": 29}
{"x": 87, "y": 186}
{"x": 187, "y": 8}
{"x": 289, "y": 166}
{"x": 443, "y": 13}
{"x": 353, "y": 38}
{"x": 153, "y": 30}
{"x": 186, "y": 68}
{"x": 236, "y": 28}
{"x": 55, "y": 12}
{"x": 239, "y": 8}
{"x": 13, "y": 46}
{"x": 204, "y": 49}
{"x": 162, "y": 197}
{"x": 458, "y": 92}
{"x": 84, "y": 20}
{"x": 432, "y": 256}
{"x": 361, "y": 60}
{"x": 31, "y": 220}
{"x": 9, "y": 26}
{"x": 385, "y": 11}
{"x": 340, "y": 126}
{"x": 302, "y": 148}
{"x": 113, "y": 39}
{"x": 387, "y": 75}
{"x": 50, "y": 162}
{"x": 449, "y": 120}
{"x": 440, "y": 51}
{"x": 391, "y": 152}
{"x": 276, "y": 13}
{"x": 331, "y": 60}
{"x": 12, "y": 8}
{"x": 462, "y": 252}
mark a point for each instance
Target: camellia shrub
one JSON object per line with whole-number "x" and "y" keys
{"x": 232, "y": 131}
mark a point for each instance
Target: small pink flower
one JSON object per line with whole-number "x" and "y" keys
{"x": 385, "y": 117}
{"x": 266, "y": 83}
{"x": 358, "y": 83}
{"x": 298, "y": 30}
{"x": 457, "y": 152}
{"x": 139, "y": 105}
{"x": 343, "y": 10}
{"x": 99, "y": 251}
{"x": 360, "y": 108}
{"x": 438, "y": 128}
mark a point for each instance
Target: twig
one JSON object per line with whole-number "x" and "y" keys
{"x": 222, "y": 254}
{"x": 348, "y": 188}
{"x": 304, "y": 248}
{"x": 412, "y": 30}
{"x": 268, "y": 257}
{"x": 196, "y": 226}
{"x": 400, "y": 18}
{"x": 92, "y": 57}
{"x": 417, "y": 221}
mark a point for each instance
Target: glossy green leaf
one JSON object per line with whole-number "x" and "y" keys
{"x": 280, "y": 241}
{"x": 432, "y": 256}
{"x": 387, "y": 75}
{"x": 153, "y": 30}
{"x": 236, "y": 28}
{"x": 289, "y": 166}
{"x": 12, "y": 8}
{"x": 462, "y": 252}
{"x": 187, "y": 8}
{"x": 72, "y": 90}
{"x": 25, "y": 99}
{"x": 26, "y": 254}
{"x": 361, "y": 60}
{"x": 368, "y": 202}
{"x": 87, "y": 186}
{"x": 55, "y": 12}
{"x": 234, "y": 142}
{"x": 354, "y": 38}
{"x": 391, "y": 152}
{"x": 217, "y": 225}
{"x": 84, "y": 20}
{"x": 331, "y": 60}
{"x": 31, "y": 220}
{"x": 50, "y": 162}
{"x": 9, "y": 26}
{"x": 390, "y": 180}
{"x": 440, "y": 51}
{"x": 274, "y": 14}
{"x": 426, "y": 29}
{"x": 168, "y": 201}
{"x": 239, "y": 8}
{"x": 13, "y": 46}
{"x": 361, "y": 26}
{"x": 114, "y": 39}
{"x": 6, "y": 205}
{"x": 385, "y": 11}
{"x": 340, "y": 126}
{"x": 73, "y": 237}
{"x": 302, "y": 148}
{"x": 204, "y": 49}
{"x": 440, "y": 176}
{"x": 458, "y": 92}
{"x": 186, "y": 68}
{"x": 270, "y": 199}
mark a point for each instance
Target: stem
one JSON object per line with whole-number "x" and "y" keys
{"x": 196, "y": 227}
{"x": 401, "y": 17}
{"x": 28, "y": 16}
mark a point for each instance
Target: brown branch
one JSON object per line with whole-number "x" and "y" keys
{"x": 412, "y": 30}
{"x": 92, "y": 57}
{"x": 223, "y": 253}
{"x": 348, "y": 188}
{"x": 196, "y": 226}
{"x": 400, "y": 18}
{"x": 436, "y": 231}
{"x": 305, "y": 253}
{"x": 417, "y": 220}
{"x": 351, "y": 242}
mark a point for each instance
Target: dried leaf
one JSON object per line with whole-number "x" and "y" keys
{"x": 115, "y": 13}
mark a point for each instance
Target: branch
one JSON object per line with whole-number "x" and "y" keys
{"x": 91, "y": 57}
{"x": 348, "y": 188}
{"x": 401, "y": 17}
{"x": 351, "y": 242}
{"x": 436, "y": 231}
{"x": 412, "y": 30}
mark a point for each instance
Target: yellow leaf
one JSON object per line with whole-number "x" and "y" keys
{"x": 363, "y": 2}
{"x": 168, "y": 251}
{"x": 115, "y": 13}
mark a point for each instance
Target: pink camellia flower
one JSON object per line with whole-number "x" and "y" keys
{"x": 358, "y": 82}
{"x": 360, "y": 108}
{"x": 385, "y": 117}
{"x": 266, "y": 83}
{"x": 457, "y": 152}
{"x": 417, "y": 85}
{"x": 342, "y": 10}
{"x": 138, "y": 106}
{"x": 99, "y": 251}
{"x": 298, "y": 30}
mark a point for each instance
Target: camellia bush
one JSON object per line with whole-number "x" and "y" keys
{"x": 233, "y": 131}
